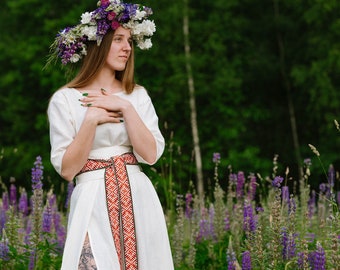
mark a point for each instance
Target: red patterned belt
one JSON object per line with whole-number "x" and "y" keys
{"x": 119, "y": 205}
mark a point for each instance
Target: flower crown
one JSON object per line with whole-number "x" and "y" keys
{"x": 70, "y": 43}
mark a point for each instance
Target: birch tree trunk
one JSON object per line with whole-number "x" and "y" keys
{"x": 193, "y": 114}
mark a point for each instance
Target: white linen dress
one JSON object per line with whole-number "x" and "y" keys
{"x": 88, "y": 210}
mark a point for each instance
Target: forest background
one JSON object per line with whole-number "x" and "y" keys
{"x": 266, "y": 77}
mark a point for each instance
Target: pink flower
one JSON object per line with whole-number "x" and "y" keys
{"x": 104, "y": 2}
{"x": 111, "y": 15}
{"x": 115, "y": 25}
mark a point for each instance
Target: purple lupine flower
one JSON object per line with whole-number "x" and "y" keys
{"x": 252, "y": 187}
{"x": 311, "y": 204}
{"x": 188, "y": 209}
{"x": 211, "y": 221}
{"x": 259, "y": 209}
{"x": 249, "y": 224}
{"x": 47, "y": 219}
{"x": 285, "y": 194}
{"x": 2, "y": 218}
{"x": 27, "y": 238}
{"x": 331, "y": 175}
{"x": 5, "y": 201}
{"x": 240, "y": 184}
{"x": 4, "y": 248}
{"x": 203, "y": 231}
{"x": 60, "y": 230}
{"x": 284, "y": 241}
{"x": 216, "y": 157}
{"x": 301, "y": 260}
{"x": 308, "y": 162}
{"x": 13, "y": 194}
{"x": 233, "y": 178}
{"x": 37, "y": 174}
{"x": 319, "y": 258}
{"x": 231, "y": 260}
{"x": 70, "y": 188}
{"x": 310, "y": 237}
{"x": 227, "y": 222}
{"x": 277, "y": 181}
{"x": 288, "y": 245}
{"x": 32, "y": 260}
{"x": 246, "y": 260}
{"x": 23, "y": 203}
{"x": 323, "y": 188}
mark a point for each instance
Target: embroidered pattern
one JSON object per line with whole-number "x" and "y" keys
{"x": 119, "y": 204}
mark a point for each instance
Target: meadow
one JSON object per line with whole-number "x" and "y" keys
{"x": 271, "y": 222}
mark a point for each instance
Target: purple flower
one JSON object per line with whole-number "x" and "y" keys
{"x": 240, "y": 184}
{"x": 206, "y": 225}
{"x": 277, "y": 181}
{"x": 311, "y": 204}
{"x": 308, "y": 162}
{"x": 13, "y": 194}
{"x": 331, "y": 175}
{"x": 252, "y": 187}
{"x": 231, "y": 260}
{"x": 47, "y": 219}
{"x": 37, "y": 174}
{"x": 285, "y": 194}
{"x": 188, "y": 209}
{"x": 4, "y": 249}
{"x": 249, "y": 223}
{"x": 70, "y": 187}
{"x": 5, "y": 201}
{"x": 226, "y": 222}
{"x": 60, "y": 230}
{"x": 288, "y": 245}
{"x": 32, "y": 260}
{"x": 27, "y": 239}
{"x": 310, "y": 237}
{"x": 246, "y": 260}
{"x": 2, "y": 218}
{"x": 319, "y": 258}
{"x": 216, "y": 157}
{"x": 323, "y": 188}
{"x": 338, "y": 197}
{"x": 23, "y": 203}
{"x": 301, "y": 260}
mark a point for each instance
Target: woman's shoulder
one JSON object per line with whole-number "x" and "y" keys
{"x": 140, "y": 91}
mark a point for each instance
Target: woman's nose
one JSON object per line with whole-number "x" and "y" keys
{"x": 127, "y": 45}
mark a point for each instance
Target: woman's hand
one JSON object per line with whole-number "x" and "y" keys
{"x": 111, "y": 103}
{"x": 102, "y": 116}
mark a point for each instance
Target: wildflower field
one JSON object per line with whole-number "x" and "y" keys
{"x": 255, "y": 223}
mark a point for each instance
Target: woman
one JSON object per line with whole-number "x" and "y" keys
{"x": 101, "y": 125}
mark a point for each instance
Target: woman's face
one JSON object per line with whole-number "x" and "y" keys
{"x": 120, "y": 50}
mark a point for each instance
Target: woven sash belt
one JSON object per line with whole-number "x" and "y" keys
{"x": 119, "y": 205}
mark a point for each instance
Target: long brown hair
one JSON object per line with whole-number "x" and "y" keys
{"x": 94, "y": 61}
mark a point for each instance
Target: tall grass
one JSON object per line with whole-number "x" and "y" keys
{"x": 254, "y": 223}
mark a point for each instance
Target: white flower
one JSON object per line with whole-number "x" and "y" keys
{"x": 146, "y": 28}
{"x": 144, "y": 45}
{"x": 90, "y": 32}
{"x": 75, "y": 58}
{"x": 86, "y": 18}
{"x": 139, "y": 14}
